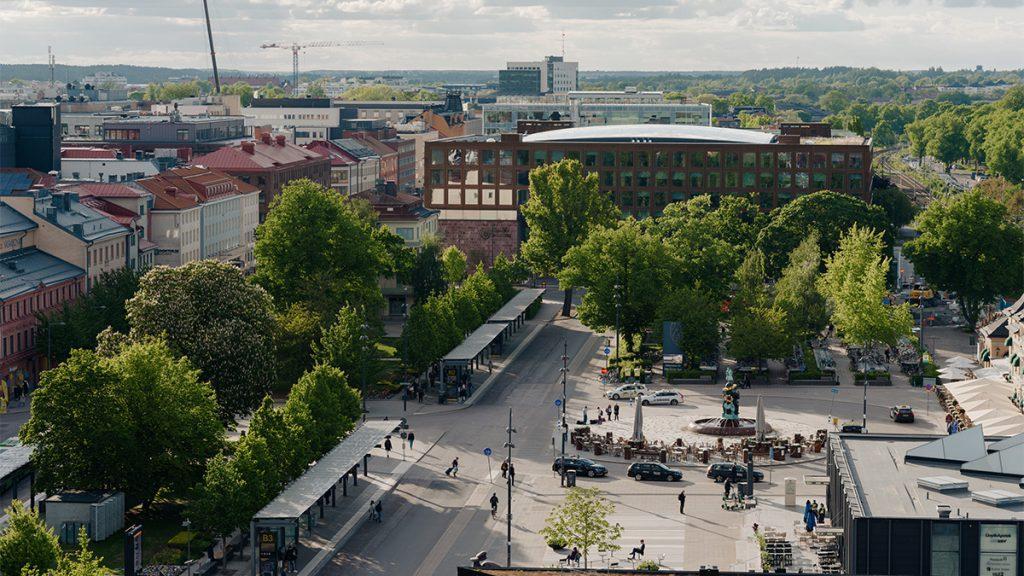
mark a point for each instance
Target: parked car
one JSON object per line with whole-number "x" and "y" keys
{"x": 902, "y": 413}
{"x": 670, "y": 397}
{"x": 627, "y": 391}
{"x": 722, "y": 471}
{"x": 653, "y": 471}
{"x": 852, "y": 428}
{"x": 582, "y": 466}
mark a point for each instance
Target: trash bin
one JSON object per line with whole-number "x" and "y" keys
{"x": 570, "y": 478}
{"x": 663, "y": 457}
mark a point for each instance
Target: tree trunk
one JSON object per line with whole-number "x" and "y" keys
{"x": 567, "y": 303}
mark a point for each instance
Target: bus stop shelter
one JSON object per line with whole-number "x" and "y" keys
{"x": 15, "y": 466}
{"x": 278, "y": 523}
{"x": 513, "y": 312}
{"x": 468, "y": 355}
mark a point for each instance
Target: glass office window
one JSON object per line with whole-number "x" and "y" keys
{"x": 487, "y": 176}
{"x": 767, "y": 180}
{"x": 679, "y": 159}
{"x": 732, "y": 159}
{"x": 714, "y": 159}
{"x": 856, "y": 160}
{"x": 626, "y": 178}
{"x": 661, "y": 179}
{"x": 436, "y": 156}
{"x": 523, "y": 177}
{"x": 590, "y": 159}
{"x": 626, "y": 159}
{"x": 819, "y": 180}
{"x": 945, "y": 546}
{"x": 678, "y": 196}
{"x": 522, "y": 157}
{"x": 643, "y": 199}
{"x": 505, "y": 157}
{"x": 643, "y": 159}
{"x": 785, "y": 180}
{"x": 679, "y": 178}
{"x": 435, "y": 177}
{"x": 714, "y": 180}
{"x": 643, "y": 178}
{"x": 626, "y": 198}
{"x": 766, "y": 159}
{"x": 487, "y": 157}
{"x": 749, "y": 160}
{"x": 659, "y": 199}
{"x": 856, "y": 182}
{"x": 838, "y": 160}
{"x": 573, "y": 155}
{"x": 696, "y": 180}
{"x": 661, "y": 159}
{"x": 557, "y": 155}
{"x": 818, "y": 160}
{"x": 731, "y": 180}
{"x": 608, "y": 178}
{"x": 766, "y": 200}
{"x": 697, "y": 160}
{"x": 802, "y": 180}
{"x": 607, "y": 158}
{"x": 784, "y": 160}
{"x": 836, "y": 182}
{"x": 801, "y": 160}
{"x": 783, "y": 198}
{"x": 540, "y": 156}
{"x": 749, "y": 180}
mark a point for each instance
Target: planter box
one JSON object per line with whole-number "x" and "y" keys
{"x": 824, "y": 381}
{"x": 874, "y": 382}
{"x": 707, "y": 379}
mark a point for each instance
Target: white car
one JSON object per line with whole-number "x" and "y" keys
{"x": 627, "y": 391}
{"x": 670, "y": 397}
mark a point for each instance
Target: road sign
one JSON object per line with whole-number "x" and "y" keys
{"x": 835, "y": 390}
{"x": 607, "y": 351}
{"x": 558, "y": 402}
{"x": 487, "y": 451}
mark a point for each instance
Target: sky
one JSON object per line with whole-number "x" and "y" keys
{"x": 484, "y": 34}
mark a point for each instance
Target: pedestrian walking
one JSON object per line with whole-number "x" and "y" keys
{"x": 616, "y": 410}
{"x": 373, "y": 511}
{"x": 387, "y": 446}
{"x": 291, "y": 555}
{"x": 728, "y": 487}
{"x": 585, "y": 421}
{"x": 608, "y": 411}
{"x": 411, "y": 436}
{"x": 511, "y": 474}
{"x": 682, "y": 501}
{"x": 494, "y": 505}
{"x": 380, "y": 512}
{"x": 454, "y": 469}
{"x": 504, "y": 468}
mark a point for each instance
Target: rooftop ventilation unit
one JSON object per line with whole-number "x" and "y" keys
{"x": 942, "y": 483}
{"x": 943, "y": 510}
{"x": 998, "y": 497}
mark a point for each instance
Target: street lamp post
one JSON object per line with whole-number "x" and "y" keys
{"x": 618, "y": 307}
{"x": 363, "y": 347}
{"x": 508, "y": 482}
{"x": 188, "y": 554}
{"x": 563, "y": 425}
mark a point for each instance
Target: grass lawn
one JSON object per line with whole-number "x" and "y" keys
{"x": 159, "y": 525}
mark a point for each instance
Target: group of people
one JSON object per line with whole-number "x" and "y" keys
{"x": 814, "y": 514}
{"x": 376, "y": 511}
{"x": 601, "y": 414}
{"x": 508, "y": 471}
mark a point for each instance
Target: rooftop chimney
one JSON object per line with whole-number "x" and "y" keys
{"x": 280, "y": 139}
{"x": 249, "y": 147}
{"x": 265, "y": 137}
{"x": 171, "y": 190}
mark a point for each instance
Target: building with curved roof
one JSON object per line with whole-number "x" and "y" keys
{"x": 479, "y": 182}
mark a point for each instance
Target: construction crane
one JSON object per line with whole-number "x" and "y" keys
{"x": 295, "y": 47}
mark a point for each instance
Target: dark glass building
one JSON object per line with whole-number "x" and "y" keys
{"x": 37, "y": 136}
{"x": 519, "y": 82}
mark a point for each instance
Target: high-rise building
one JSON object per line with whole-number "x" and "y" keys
{"x": 553, "y": 75}
{"x": 37, "y": 136}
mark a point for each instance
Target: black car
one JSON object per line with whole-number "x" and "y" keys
{"x": 723, "y": 471}
{"x": 852, "y": 429}
{"x": 902, "y": 413}
{"x": 582, "y": 466}
{"x": 653, "y": 471}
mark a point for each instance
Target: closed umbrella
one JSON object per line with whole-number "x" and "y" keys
{"x": 638, "y": 420}
{"x": 759, "y": 423}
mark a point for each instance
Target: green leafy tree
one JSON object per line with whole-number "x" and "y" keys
{"x": 467, "y": 314}
{"x": 316, "y": 89}
{"x": 430, "y": 332}
{"x": 315, "y": 248}
{"x": 481, "y": 290}
{"x": 26, "y": 543}
{"x": 697, "y": 314}
{"x": 316, "y": 408}
{"x": 139, "y": 421}
{"x": 564, "y": 207}
{"x": 349, "y": 345}
{"x": 758, "y": 333}
{"x": 968, "y": 245}
{"x": 81, "y": 562}
{"x": 427, "y": 273}
{"x": 453, "y": 265}
{"x": 583, "y": 521}
{"x": 828, "y": 213}
{"x": 946, "y": 140}
{"x": 1010, "y": 195}
{"x": 835, "y": 101}
{"x": 218, "y": 505}
{"x": 297, "y": 329}
{"x": 240, "y": 89}
{"x": 291, "y": 453}
{"x": 208, "y": 312}
{"x": 899, "y": 210}
{"x": 854, "y": 284}
{"x": 1004, "y": 145}
{"x": 270, "y": 91}
{"x": 918, "y": 139}
{"x": 624, "y": 256}
{"x": 796, "y": 292}
{"x": 883, "y": 136}
{"x": 506, "y": 274}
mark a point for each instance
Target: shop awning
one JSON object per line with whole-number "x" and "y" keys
{"x": 1008, "y": 342}
{"x": 1014, "y": 360}
{"x": 985, "y": 354}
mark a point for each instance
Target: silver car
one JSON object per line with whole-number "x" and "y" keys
{"x": 670, "y": 397}
{"x": 627, "y": 391}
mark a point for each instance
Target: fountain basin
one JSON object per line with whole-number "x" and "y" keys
{"x": 726, "y": 427}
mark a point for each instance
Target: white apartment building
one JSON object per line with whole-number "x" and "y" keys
{"x": 104, "y": 165}
{"x": 307, "y": 119}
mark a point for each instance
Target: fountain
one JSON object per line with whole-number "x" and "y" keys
{"x": 729, "y": 423}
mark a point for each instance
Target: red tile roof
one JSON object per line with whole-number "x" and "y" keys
{"x": 183, "y": 188}
{"x": 338, "y": 156}
{"x": 263, "y": 156}
{"x": 119, "y": 214}
{"x": 88, "y": 153}
{"x": 107, "y": 190}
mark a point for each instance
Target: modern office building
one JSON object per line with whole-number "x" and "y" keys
{"x": 37, "y": 136}
{"x": 198, "y": 133}
{"x": 393, "y": 112}
{"x": 370, "y": 164}
{"x": 928, "y": 505}
{"x": 306, "y": 119}
{"x": 553, "y": 75}
{"x": 479, "y": 182}
{"x": 597, "y": 108}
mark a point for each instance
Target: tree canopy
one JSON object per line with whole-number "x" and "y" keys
{"x": 968, "y": 245}
{"x": 208, "y": 312}
{"x": 564, "y": 206}
{"x": 26, "y": 543}
{"x": 583, "y": 521}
